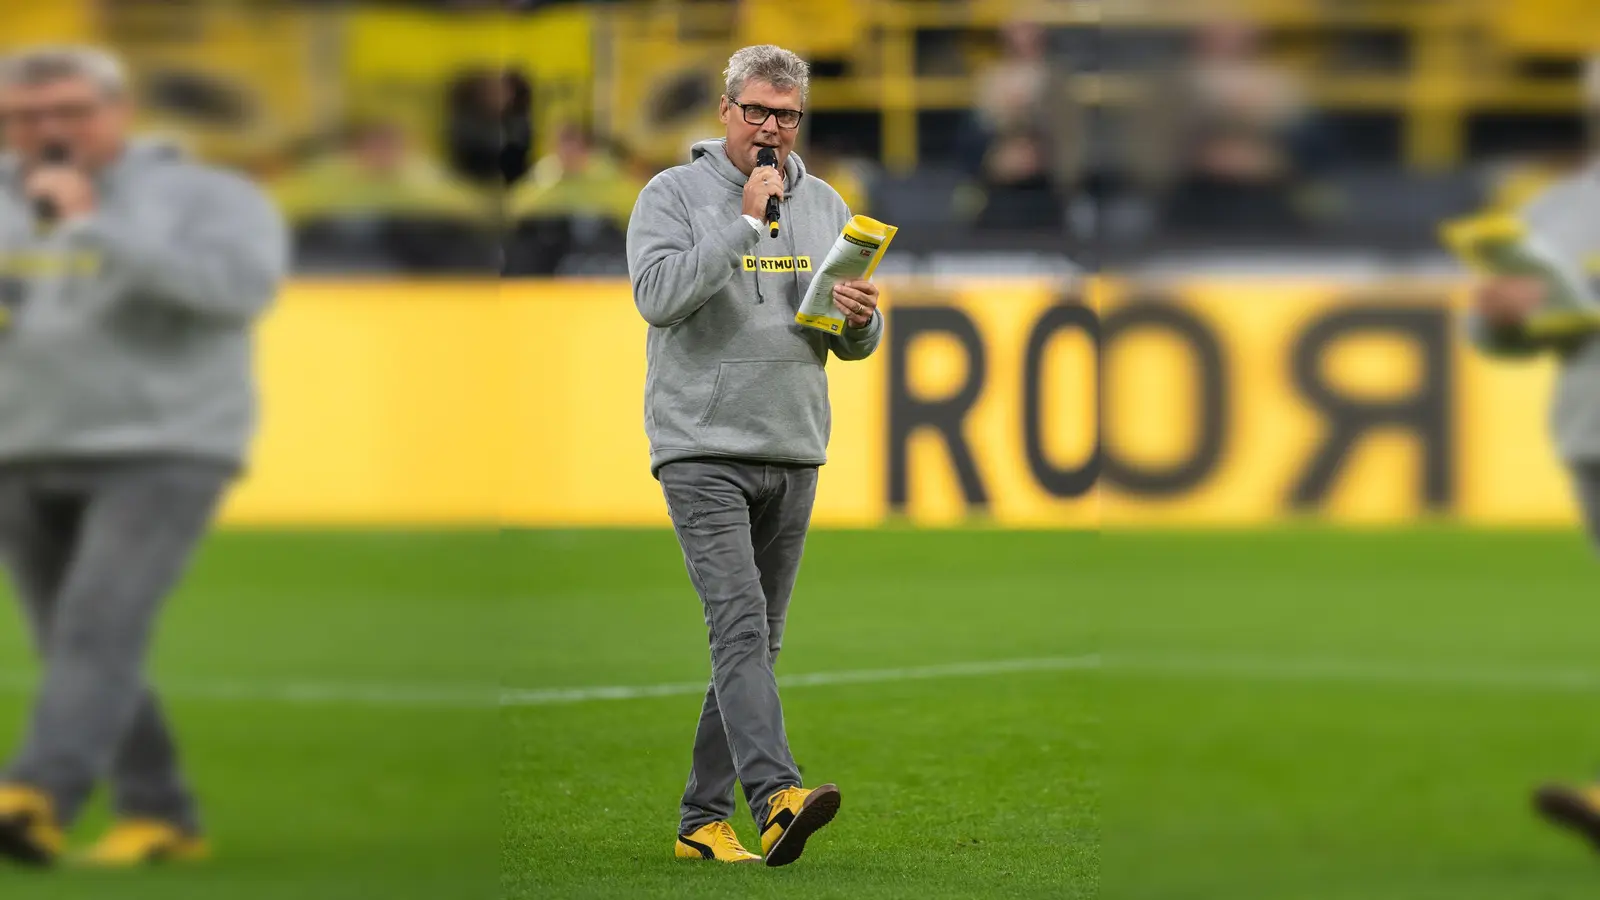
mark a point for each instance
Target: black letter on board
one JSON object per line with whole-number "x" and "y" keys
{"x": 1063, "y": 483}
{"x": 1425, "y": 412}
{"x": 945, "y": 415}
{"x": 1210, "y": 393}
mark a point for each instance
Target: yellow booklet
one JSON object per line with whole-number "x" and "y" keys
{"x": 855, "y": 255}
{"x": 1501, "y": 244}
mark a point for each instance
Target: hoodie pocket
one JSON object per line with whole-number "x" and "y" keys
{"x": 772, "y": 405}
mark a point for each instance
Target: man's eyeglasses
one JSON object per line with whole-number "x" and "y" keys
{"x": 32, "y": 116}
{"x": 756, "y": 114}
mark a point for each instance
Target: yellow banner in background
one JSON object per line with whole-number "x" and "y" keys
{"x": 381, "y": 403}
{"x": 62, "y": 21}
{"x": 399, "y": 63}
{"x": 1221, "y": 403}
{"x": 1244, "y": 403}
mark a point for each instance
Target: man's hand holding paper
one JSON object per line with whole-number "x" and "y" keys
{"x": 1531, "y": 289}
{"x": 1510, "y": 300}
{"x": 856, "y": 299}
{"x": 843, "y": 282}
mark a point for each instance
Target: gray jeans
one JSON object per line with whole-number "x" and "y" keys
{"x": 1586, "y": 484}
{"x": 92, "y": 550}
{"x": 742, "y": 527}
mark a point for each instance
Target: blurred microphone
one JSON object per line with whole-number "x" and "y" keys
{"x": 766, "y": 156}
{"x": 44, "y": 208}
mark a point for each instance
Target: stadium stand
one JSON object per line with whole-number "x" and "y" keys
{"x": 1099, "y": 132}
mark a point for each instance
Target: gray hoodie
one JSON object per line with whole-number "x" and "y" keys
{"x": 730, "y": 374}
{"x": 129, "y": 332}
{"x": 1563, "y": 217}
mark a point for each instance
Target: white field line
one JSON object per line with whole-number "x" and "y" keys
{"x": 1501, "y": 676}
{"x": 305, "y": 693}
{"x": 1261, "y": 671}
{"x": 1533, "y": 679}
{"x": 549, "y": 696}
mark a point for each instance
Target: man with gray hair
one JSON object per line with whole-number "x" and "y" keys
{"x": 736, "y": 408}
{"x": 130, "y": 278}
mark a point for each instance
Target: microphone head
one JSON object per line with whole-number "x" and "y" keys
{"x": 766, "y": 156}
{"x": 55, "y": 154}
{"x": 44, "y": 208}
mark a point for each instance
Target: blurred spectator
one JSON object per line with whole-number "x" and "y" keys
{"x": 1019, "y": 191}
{"x": 578, "y": 180}
{"x": 490, "y": 127}
{"x": 1024, "y": 149}
{"x": 375, "y": 173}
{"x": 1243, "y": 136}
{"x": 574, "y": 207}
{"x": 636, "y": 165}
{"x": 848, "y": 174}
{"x": 376, "y": 203}
{"x": 1011, "y": 92}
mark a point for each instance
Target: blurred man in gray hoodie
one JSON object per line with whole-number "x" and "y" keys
{"x": 736, "y": 408}
{"x": 1565, "y": 219}
{"x": 130, "y": 279}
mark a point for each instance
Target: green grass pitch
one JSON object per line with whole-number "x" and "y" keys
{"x": 1326, "y": 716}
{"x": 1306, "y": 715}
{"x": 323, "y": 686}
{"x": 965, "y": 787}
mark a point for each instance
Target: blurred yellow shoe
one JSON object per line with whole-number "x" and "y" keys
{"x": 1574, "y": 808}
{"x": 138, "y": 842}
{"x": 715, "y": 841}
{"x": 794, "y": 814}
{"x": 28, "y": 830}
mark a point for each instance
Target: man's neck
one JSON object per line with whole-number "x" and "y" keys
{"x": 115, "y": 156}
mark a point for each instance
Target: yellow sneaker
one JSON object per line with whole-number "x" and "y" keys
{"x": 138, "y": 842}
{"x": 28, "y": 830}
{"x": 794, "y": 814}
{"x": 715, "y": 841}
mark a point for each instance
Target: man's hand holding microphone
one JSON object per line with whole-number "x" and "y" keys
{"x": 763, "y": 191}
{"x": 59, "y": 190}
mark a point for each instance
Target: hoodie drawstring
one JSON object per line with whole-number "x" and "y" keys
{"x": 793, "y": 251}
{"x": 794, "y": 254}
{"x": 760, "y": 237}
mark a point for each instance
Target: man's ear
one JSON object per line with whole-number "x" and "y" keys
{"x": 722, "y": 109}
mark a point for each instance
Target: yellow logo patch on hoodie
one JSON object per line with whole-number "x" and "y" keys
{"x": 777, "y": 263}
{"x": 43, "y": 264}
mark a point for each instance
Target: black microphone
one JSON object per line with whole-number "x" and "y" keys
{"x": 44, "y": 208}
{"x": 766, "y": 156}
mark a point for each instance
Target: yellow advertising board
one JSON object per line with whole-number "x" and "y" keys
{"x": 381, "y": 403}
{"x": 1217, "y": 403}
{"x": 1245, "y": 403}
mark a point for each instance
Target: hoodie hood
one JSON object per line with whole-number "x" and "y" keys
{"x": 138, "y": 154}
{"x": 715, "y": 152}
